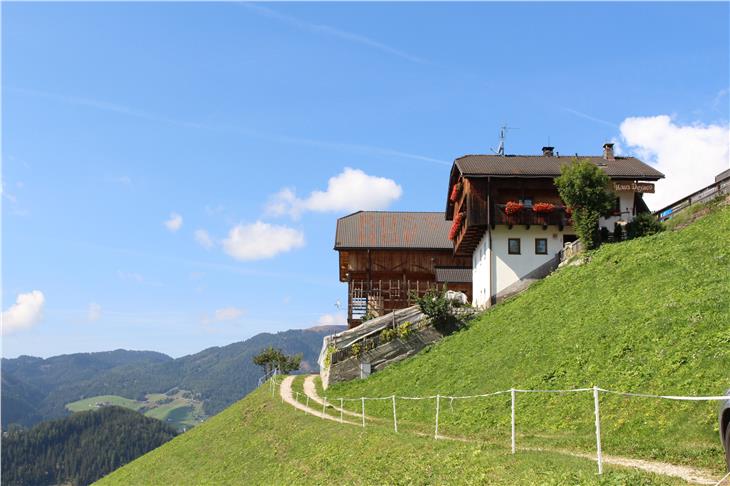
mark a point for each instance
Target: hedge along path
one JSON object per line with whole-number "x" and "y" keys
{"x": 686, "y": 473}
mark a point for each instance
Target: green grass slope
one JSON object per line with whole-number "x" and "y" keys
{"x": 260, "y": 440}
{"x": 650, "y": 315}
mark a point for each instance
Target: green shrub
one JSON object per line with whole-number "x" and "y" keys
{"x": 604, "y": 234}
{"x": 405, "y": 330}
{"x": 356, "y": 350}
{"x": 328, "y": 357}
{"x": 388, "y": 335}
{"x": 644, "y": 224}
{"x": 618, "y": 231}
{"x": 436, "y": 306}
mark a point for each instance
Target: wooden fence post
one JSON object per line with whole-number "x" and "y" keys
{"x": 438, "y": 404}
{"x": 599, "y": 453}
{"x": 395, "y": 417}
{"x": 514, "y": 440}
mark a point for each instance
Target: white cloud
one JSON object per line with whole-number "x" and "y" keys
{"x": 204, "y": 239}
{"x": 94, "y": 313}
{"x": 337, "y": 319}
{"x": 261, "y": 240}
{"x": 224, "y": 314}
{"x": 174, "y": 223}
{"x": 690, "y": 156}
{"x": 27, "y": 311}
{"x": 351, "y": 190}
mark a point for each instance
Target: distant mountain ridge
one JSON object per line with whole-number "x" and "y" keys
{"x": 36, "y": 389}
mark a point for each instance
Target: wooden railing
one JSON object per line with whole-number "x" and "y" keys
{"x": 703, "y": 195}
{"x": 380, "y": 297}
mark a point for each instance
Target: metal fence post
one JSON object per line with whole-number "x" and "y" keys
{"x": 438, "y": 404}
{"x": 363, "y": 411}
{"x": 514, "y": 439}
{"x": 599, "y": 454}
{"x": 395, "y": 417}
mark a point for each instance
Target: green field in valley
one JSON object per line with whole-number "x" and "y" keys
{"x": 103, "y": 400}
{"x": 178, "y": 409}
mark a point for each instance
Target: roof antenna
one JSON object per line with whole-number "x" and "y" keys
{"x": 502, "y": 132}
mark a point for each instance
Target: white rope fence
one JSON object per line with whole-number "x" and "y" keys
{"x": 596, "y": 391}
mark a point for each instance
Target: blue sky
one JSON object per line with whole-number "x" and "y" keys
{"x": 118, "y": 118}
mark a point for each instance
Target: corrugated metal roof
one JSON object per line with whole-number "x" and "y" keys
{"x": 453, "y": 275}
{"x": 385, "y": 229}
{"x": 541, "y": 166}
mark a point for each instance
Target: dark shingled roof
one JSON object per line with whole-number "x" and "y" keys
{"x": 541, "y": 166}
{"x": 453, "y": 275}
{"x": 382, "y": 229}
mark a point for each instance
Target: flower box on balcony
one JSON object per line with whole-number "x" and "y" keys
{"x": 513, "y": 207}
{"x": 543, "y": 208}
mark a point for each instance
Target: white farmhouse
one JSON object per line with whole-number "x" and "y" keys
{"x": 508, "y": 217}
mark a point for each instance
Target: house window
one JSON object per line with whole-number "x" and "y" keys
{"x": 617, "y": 207}
{"x": 527, "y": 201}
{"x": 541, "y": 246}
{"x": 513, "y": 246}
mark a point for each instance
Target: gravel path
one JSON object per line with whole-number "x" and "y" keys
{"x": 686, "y": 473}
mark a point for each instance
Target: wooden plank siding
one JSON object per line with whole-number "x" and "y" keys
{"x": 405, "y": 264}
{"x": 483, "y": 206}
{"x": 382, "y": 280}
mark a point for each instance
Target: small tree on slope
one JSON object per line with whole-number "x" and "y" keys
{"x": 584, "y": 188}
{"x": 274, "y": 358}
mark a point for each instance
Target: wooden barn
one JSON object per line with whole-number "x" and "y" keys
{"x": 387, "y": 257}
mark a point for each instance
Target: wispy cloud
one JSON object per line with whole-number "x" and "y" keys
{"x": 136, "y": 278}
{"x": 332, "y": 32}
{"x": 103, "y": 105}
{"x": 239, "y": 130}
{"x": 589, "y": 117}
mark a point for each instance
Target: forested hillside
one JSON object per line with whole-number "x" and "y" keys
{"x": 36, "y": 389}
{"x": 79, "y": 449}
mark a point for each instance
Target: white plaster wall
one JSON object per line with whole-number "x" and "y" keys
{"x": 481, "y": 273}
{"x": 510, "y": 268}
{"x": 627, "y": 210}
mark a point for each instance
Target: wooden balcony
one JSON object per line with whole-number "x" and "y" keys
{"x": 474, "y": 223}
{"x": 527, "y": 217}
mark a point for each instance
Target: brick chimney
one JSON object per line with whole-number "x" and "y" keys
{"x": 608, "y": 151}
{"x": 547, "y": 151}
